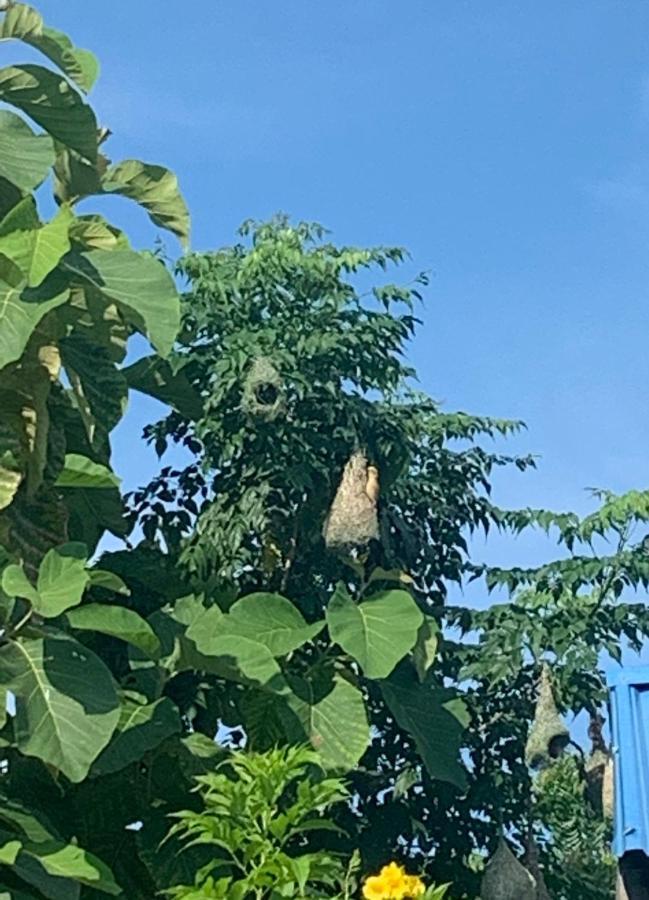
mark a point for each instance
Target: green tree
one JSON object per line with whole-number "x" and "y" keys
{"x": 368, "y": 633}
{"x": 72, "y": 291}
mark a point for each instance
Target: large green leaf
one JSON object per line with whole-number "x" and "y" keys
{"x": 21, "y": 310}
{"x": 153, "y": 187}
{"x": 9, "y": 850}
{"x": 117, "y": 621}
{"x": 141, "y": 287}
{"x": 100, "y": 390}
{"x": 92, "y": 511}
{"x": 435, "y": 721}
{"x": 424, "y": 652}
{"x": 25, "y": 23}
{"x": 52, "y": 103}
{"x": 66, "y": 704}
{"x": 38, "y": 251}
{"x": 377, "y": 633}
{"x": 231, "y": 655}
{"x": 70, "y": 861}
{"x": 335, "y": 723}
{"x": 16, "y": 584}
{"x": 62, "y": 579}
{"x": 81, "y": 472}
{"x": 141, "y": 728}
{"x": 158, "y": 378}
{"x": 25, "y": 157}
{"x": 271, "y": 620}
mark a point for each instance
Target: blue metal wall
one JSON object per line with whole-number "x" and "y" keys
{"x": 629, "y": 694}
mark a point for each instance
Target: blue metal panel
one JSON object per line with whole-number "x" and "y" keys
{"x": 629, "y": 693}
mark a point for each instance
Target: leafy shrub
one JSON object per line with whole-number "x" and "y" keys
{"x": 259, "y": 813}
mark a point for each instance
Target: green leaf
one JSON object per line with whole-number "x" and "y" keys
{"x": 377, "y": 633}
{"x": 140, "y": 729}
{"x": 154, "y": 188}
{"x": 21, "y": 310}
{"x": 52, "y": 103}
{"x": 109, "y": 581}
{"x": 66, "y": 704}
{"x": 62, "y": 580}
{"x": 156, "y": 377}
{"x": 16, "y": 584}
{"x": 21, "y": 217}
{"x": 9, "y": 850}
{"x": 70, "y": 861}
{"x": 81, "y": 472}
{"x": 335, "y": 724}
{"x": 93, "y": 232}
{"x": 141, "y": 287}
{"x": 116, "y": 621}
{"x": 99, "y": 388}
{"x": 234, "y": 657}
{"x": 38, "y": 251}
{"x": 92, "y": 511}
{"x": 25, "y": 157}
{"x": 271, "y": 620}
{"x": 424, "y": 652}
{"x": 435, "y": 722}
{"x": 25, "y": 23}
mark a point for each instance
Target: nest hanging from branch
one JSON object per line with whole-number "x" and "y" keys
{"x": 506, "y": 878}
{"x": 548, "y": 736}
{"x": 264, "y": 391}
{"x": 352, "y": 522}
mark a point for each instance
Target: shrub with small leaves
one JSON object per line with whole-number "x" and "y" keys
{"x": 260, "y": 811}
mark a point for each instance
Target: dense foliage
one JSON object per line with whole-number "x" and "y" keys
{"x": 237, "y": 614}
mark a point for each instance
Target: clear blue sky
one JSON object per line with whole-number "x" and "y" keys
{"x": 505, "y": 142}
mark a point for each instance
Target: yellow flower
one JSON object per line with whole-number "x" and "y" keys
{"x": 416, "y": 887}
{"x": 392, "y": 883}
{"x": 374, "y": 889}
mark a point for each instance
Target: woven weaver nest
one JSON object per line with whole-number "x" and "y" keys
{"x": 599, "y": 782}
{"x": 352, "y": 521}
{"x": 506, "y": 878}
{"x": 263, "y": 391}
{"x": 548, "y": 736}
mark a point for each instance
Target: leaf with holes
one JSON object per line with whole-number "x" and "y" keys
{"x": 66, "y": 704}
{"x": 377, "y": 633}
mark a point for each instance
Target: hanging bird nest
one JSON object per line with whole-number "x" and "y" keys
{"x": 594, "y": 770}
{"x": 263, "y": 391}
{"x": 352, "y": 522}
{"x": 548, "y": 736}
{"x": 506, "y": 878}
